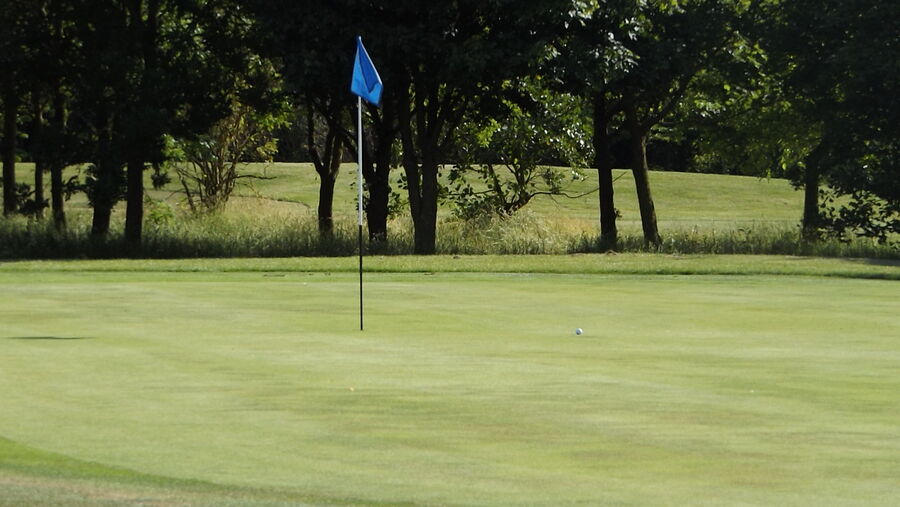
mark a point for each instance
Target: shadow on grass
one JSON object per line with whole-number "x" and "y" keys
{"x": 876, "y": 262}
{"x": 47, "y": 338}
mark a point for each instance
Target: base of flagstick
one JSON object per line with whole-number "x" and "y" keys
{"x": 360, "y": 277}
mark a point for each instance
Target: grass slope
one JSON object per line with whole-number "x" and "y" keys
{"x": 165, "y": 385}
{"x": 683, "y": 200}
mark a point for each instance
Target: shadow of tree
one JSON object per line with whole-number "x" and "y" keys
{"x": 47, "y": 338}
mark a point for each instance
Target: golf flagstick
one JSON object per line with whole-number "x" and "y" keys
{"x": 359, "y": 184}
{"x": 366, "y": 84}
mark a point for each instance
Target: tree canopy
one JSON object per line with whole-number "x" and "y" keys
{"x": 804, "y": 89}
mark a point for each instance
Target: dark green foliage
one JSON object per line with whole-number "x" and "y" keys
{"x": 314, "y": 41}
{"x": 839, "y": 65}
{"x": 119, "y": 75}
{"x": 802, "y": 88}
{"x": 456, "y": 58}
{"x": 636, "y": 62}
{"x": 510, "y": 156}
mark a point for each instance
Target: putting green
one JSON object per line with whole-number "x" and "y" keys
{"x": 465, "y": 388}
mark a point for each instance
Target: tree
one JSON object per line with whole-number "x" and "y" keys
{"x": 587, "y": 59}
{"x": 50, "y": 144}
{"x": 636, "y": 61}
{"x": 312, "y": 41}
{"x": 838, "y": 64}
{"x": 16, "y": 18}
{"x": 315, "y": 41}
{"x": 258, "y": 108}
{"x": 145, "y": 68}
{"x": 59, "y": 146}
{"x": 746, "y": 127}
{"x": 455, "y": 58}
{"x": 513, "y": 153}
{"x": 10, "y": 132}
{"x": 327, "y": 159}
{"x": 209, "y": 172}
{"x": 674, "y": 43}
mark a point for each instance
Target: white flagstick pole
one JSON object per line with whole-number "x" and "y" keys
{"x": 359, "y": 184}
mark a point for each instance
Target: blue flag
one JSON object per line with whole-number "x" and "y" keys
{"x": 366, "y": 81}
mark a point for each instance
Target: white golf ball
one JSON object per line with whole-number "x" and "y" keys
{"x": 579, "y": 331}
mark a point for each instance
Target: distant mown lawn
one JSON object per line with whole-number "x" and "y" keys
{"x": 683, "y": 200}
{"x": 766, "y": 381}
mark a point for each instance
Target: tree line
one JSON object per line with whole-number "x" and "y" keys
{"x": 803, "y": 89}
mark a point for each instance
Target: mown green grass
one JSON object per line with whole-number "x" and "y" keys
{"x": 164, "y": 382}
{"x": 684, "y": 200}
{"x": 604, "y": 264}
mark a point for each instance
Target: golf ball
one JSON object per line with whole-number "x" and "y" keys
{"x": 579, "y": 331}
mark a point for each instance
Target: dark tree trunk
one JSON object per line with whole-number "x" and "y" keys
{"x": 638, "y": 150}
{"x": 134, "y": 210}
{"x": 57, "y": 201}
{"x": 39, "y": 203}
{"x": 377, "y": 175}
{"x": 141, "y": 140}
{"x": 327, "y": 164}
{"x": 421, "y": 178}
{"x": 426, "y": 225}
{"x": 326, "y": 202}
{"x": 56, "y": 197}
{"x": 100, "y": 221}
{"x": 377, "y": 208}
{"x": 609, "y": 234}
{"x": 10, "y": 111}
{"x": 37, "y": 149}
{"x": 410, "y": 162}
{"x": 811, "y": 179}
{"x": 811, "y": 218}
{"x": 105, "y": 191}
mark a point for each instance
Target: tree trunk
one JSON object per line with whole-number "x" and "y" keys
{"x": 326, "y": 203}
{"x": 37, "y": 150}
{"x": 638, "y": 151}
{"x": 378, "y": 176}
{"x": 377, "y": 208}
{"x": 327, "y": 164}
{"x": 10, "y": 111}
{"x": 811, "y": 217}
{"x": 104, "y": 198}
{"x": 101, "y": 217}
{"x": 56, "y": 197}
{"x": 609, "y": 234}
{"x": 106, "y": 188}
{"x": 56, "y": 167}
{"x": 421, "y": 178}
{"x": 811, "y": 179}
{"x": 134, "y": 210}
{"x": 426, "y": 225}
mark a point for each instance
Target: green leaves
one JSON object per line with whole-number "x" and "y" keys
{"x": 511, "y": 155}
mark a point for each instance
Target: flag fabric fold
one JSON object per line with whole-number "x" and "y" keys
{"x": 366, "y": 82}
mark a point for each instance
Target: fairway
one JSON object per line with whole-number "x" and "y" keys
{"x": 243, "y": 387}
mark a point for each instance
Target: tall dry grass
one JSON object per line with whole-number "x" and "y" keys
{"x": 261, "y": 228}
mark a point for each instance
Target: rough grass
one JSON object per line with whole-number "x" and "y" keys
{"x": 252, "y": 233}
{"x": 245, "y": 382}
